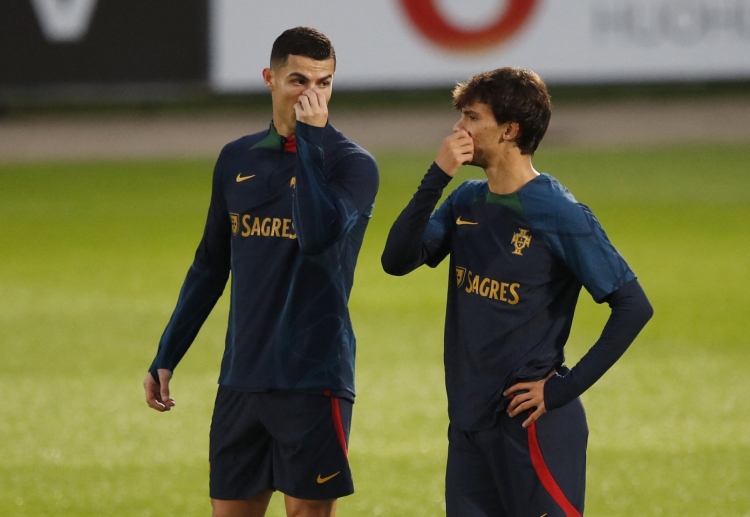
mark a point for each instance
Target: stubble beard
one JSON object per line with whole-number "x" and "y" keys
{"x": 478, "y": 159}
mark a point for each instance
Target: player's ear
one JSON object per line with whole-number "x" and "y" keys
{"x": 510, "y": 133}
{"x": 268, "y": 78}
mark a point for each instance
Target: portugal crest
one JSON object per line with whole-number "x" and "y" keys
{"x": 460, "y": 275}
{"x": 235, "y": 223}
{"x": 521, "y": 240}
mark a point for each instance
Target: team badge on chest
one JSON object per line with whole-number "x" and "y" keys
{"x": 521, "y": 240}
{"x": 235, "y": 223}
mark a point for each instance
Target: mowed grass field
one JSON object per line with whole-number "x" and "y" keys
{"x": 92, "y": 256}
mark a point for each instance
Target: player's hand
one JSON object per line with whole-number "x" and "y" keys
{"x": 457, "y": 150}
{"x": 532, "y": 398}
{"x": 312, "y": 108}
{"x": 157, "y": 395}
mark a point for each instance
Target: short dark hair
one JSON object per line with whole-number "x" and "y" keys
{"x": 302, "y": 41}
{"x": 513, "y": 95}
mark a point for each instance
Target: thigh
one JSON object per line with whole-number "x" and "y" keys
{"x": 470, "y": 487}
{"x": 310, "y": 439}
{"x": 253, "y": 507}
{"x": 545, "y": 468}
{"x": 562, "y": 438}
{"x": 240, "y": 447}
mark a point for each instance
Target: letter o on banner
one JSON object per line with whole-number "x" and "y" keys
{"x": 432, "y": 24}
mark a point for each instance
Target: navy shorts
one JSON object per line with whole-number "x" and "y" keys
{"x": 509, "y": 471}
{"x": 292, "y": 442}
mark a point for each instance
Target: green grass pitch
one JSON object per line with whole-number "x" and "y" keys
{"x": 92, "y": 256}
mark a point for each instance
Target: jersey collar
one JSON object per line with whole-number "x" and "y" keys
{"x": 273, "y": 140}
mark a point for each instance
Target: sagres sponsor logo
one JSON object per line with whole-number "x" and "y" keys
{"x": 521, "y": 240}
{"x": 322, "y": 479}
{"x": 249, "y": 225}
{"x": 432, "y": 21}
{"x": 487, "y": 287}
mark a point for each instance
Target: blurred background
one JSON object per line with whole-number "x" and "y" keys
{"x": 112, "y": 114}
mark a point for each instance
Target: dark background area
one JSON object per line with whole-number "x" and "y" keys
{"x": 133, "y": 41}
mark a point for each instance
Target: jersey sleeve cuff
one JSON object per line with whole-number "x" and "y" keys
{"x": 437, "y": 177}
{"x": 313, "y": 134}
{"x": 556, "y": 393}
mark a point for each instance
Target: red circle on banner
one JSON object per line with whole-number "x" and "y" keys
{"x": 432, "y": 24}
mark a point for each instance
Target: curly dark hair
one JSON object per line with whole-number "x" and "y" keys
{"x": 302, "y": 41}
{"x": 513, "y": 95}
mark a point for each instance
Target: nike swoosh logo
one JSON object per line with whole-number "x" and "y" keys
{"x": 240, "y": 177}
{"x": 460, "y": 221}
{"x": 327, "y": 478}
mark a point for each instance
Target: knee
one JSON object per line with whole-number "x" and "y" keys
{"x": 310, "y": 508}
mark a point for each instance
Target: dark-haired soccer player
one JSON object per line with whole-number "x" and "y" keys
{"x": 288, "y": 213}
{"x": 520, "y": 249}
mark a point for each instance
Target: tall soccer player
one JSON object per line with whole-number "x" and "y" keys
{"x": 288, "y": 213}
{"x": 520, "y": 249}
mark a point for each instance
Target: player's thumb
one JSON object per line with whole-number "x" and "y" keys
{"x": 164, "y": 378}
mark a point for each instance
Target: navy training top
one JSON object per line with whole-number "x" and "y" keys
{"x": 289, "y": 226}
{"x": 517, "y": 264}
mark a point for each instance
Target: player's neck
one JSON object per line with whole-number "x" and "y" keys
{"x": 510, "y": 173}
{"x": 284, "y": 127}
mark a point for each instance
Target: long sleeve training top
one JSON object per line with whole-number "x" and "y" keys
{"x": 288, "y": 224}
{"x": 517, "y": 264}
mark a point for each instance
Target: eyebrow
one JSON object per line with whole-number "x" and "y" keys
{"x": 299, "y": 75}
{"x": 469, "y": 112}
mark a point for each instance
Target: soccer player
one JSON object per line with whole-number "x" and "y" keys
{"x": 520, "y": 249}
{"x": 287, "y": 216}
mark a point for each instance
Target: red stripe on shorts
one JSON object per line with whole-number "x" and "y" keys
{"x": 339, "y": 424}
{"x": 545, "y": 476}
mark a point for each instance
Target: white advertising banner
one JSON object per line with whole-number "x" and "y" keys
{"x": 418, "y": 43}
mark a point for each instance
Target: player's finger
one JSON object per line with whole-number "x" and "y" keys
{"x": 319, "y": 98}
{"x": 517, "y": 387}
{"x": 164, "y": 377}
{"x": 151, "y": 390}
{"x": 516, "y": 403}
{"x": 533, "y": 417}
{"x": 313, "y": 98}
{"x": 303, "y": 101}
{"x": 524, "y": 406}
{"x": 166, "y": 401}
{"x": 152, "y": 399}
{"x": 155, "y": 404}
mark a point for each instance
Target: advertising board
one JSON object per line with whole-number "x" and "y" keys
{"x": 417, "y": 43}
